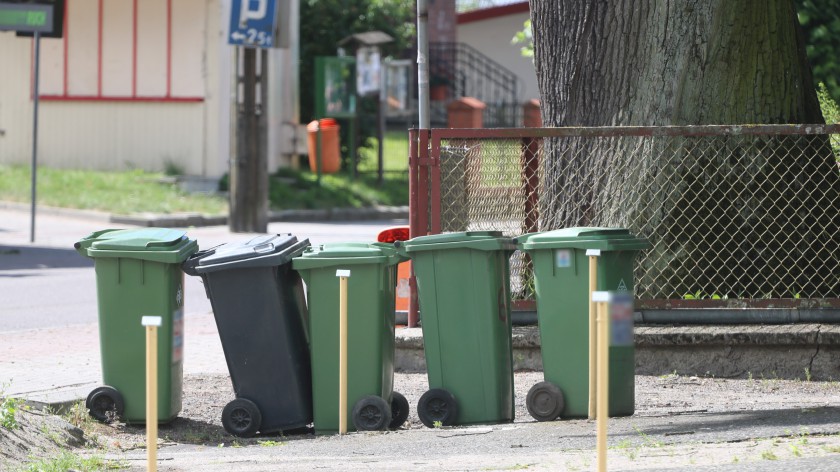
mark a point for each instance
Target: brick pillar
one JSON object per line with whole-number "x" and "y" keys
{"x": 531, "y": 114}
{"x": 465, "y": 112}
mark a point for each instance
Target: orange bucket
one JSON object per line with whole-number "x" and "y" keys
{"x": 330, "y": 153}
{"x": 389, "y": 235}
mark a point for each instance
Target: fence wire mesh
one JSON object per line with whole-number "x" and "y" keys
{"x": 737, "y": 216}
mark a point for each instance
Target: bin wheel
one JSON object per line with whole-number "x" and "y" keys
{"x": 545, "y": 401}
{"x": 437, "y": 406}
{"x": 241, "y": 418}
{"x": 105, "y": 404}
{"x": 371, "y": 413}
{"x": 399, "y": 410}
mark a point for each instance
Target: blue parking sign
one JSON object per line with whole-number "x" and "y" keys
{"x": 253, "y": 23}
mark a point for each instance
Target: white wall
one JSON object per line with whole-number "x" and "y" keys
{"x": 493, "y": 37}
{"x": 92, "y": 121}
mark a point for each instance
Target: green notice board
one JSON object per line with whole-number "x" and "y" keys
{"x": 335, "y": 87}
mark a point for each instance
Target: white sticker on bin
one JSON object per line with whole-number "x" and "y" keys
{"x": 342, "y": 273}
{"x": 151, "y": 321}
{"x": 601, "y": 296}
{"x": 593, "y": 252}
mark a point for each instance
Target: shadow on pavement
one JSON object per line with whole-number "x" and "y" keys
{"x": 792, "y": 419}
{"x": 18, "y": 258}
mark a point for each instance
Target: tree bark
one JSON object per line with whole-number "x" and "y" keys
{"x": 689, "y": 62}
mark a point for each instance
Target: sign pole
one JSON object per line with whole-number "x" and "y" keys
{"x": 35, "y": 100}
{"x": 151, "y": 323}
{"x": 593, "y": 342}
{"x": 602, "y": 411}
{"x": 342, "y": 350}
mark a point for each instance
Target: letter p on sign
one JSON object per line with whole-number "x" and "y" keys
{"x": 247, "y": 13}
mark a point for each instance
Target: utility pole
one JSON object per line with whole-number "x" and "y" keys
{"x": 253, "y": 29}
{"x": 249, "y": 169}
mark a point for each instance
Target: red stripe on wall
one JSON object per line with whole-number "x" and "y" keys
{"x": 66, "y": 46}
{"x": 93, "y": 98}
{"x": 169, "y": 48}
{"x": 134, "y": 54}
{"x": 492, "y": 12}
{"x": 99, "y": 59}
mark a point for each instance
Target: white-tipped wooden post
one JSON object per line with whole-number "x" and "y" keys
{"x": 602, "y": 410}
{"x": 342, "y": 349}
{"x": 593, "y": 286}
{"x": 151, "y": 323}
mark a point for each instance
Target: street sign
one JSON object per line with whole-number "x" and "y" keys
{"x": 253, "y": 23}
{"x": 26, "y": 17}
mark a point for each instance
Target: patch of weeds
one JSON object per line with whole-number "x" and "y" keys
{"x": 807, "y": 374}
{"x": 78, "y": 416}
{"x": 832, "y": 449}
{"x": 271, "y": 443}
{"x": 236, "y": 444}
{"x": 769, "y": 456}
{"x": 648, "y": 441}
{"x": 672, "y": 375}
{"x": 794, "y": 449}
{"x": 438, "y": 424}
{"x": 8, "y": 412}
{"x": 626, "y": 447}
{"x": 735, "y": 460}
{"x": 69, "y": 461}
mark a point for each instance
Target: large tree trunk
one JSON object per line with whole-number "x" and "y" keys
{"x": 679, "y": 62}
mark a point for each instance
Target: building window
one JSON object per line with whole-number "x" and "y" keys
{"x": 132, "y": 50}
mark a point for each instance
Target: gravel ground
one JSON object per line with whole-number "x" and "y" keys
{"x": 680, "y": 421}
{"x": 205, "y": 396}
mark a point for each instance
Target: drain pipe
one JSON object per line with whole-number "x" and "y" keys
{"x": 423, "y": 64}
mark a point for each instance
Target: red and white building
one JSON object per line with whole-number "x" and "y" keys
{"x": 132, "y": 84}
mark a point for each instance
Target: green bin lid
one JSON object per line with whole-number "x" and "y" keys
{"x": 341, "y": 254}
{"x": 607, "y": 239}
{"x": 480, "y": 240}
{"x": 154, "y": 244}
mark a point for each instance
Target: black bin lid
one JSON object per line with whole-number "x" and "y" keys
{"x": 259, "y": 246}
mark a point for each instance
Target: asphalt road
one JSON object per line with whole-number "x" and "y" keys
{"x": 47, "y": 284}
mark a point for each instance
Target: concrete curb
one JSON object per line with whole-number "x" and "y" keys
{"x": 794, "y": 351}
{"x": 184, "y": 220}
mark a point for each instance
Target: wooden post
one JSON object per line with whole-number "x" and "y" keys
{"x": 593, "y": 286}
{"x": 342, "y": 350}
{"x": 602, "y": 411}
{"x": 151, "y": 323}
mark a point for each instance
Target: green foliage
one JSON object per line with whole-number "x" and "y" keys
{"x": 8, "y": 413}
{"x": 820, "y": 21}
{"x": 294, "y": 189}
{"x": 323, "y": 23}
{"x": 526, "y": 39}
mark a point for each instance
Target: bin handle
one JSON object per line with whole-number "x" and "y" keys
{"x": 267, "y": 247}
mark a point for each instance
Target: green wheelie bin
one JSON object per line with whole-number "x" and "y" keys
{"x": 561, "y": 279}
{"x": 138, "y": 273}
{"x": 463, "y": 285}
{"x": 372, "y": 403}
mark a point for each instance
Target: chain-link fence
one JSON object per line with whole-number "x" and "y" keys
{"x": 732, "y": 212}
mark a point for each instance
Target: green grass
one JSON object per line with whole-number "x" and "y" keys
{"x": 69, "y": 461}
{"x": 394, "y": 153}
{"x": 294, "y": 189}
{"x": 124, "y": 193}
{"x": 138, "y": 191}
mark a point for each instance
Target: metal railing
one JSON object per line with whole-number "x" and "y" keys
{"x": 737, "y": 215}
{"x": 466, "y": 72}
